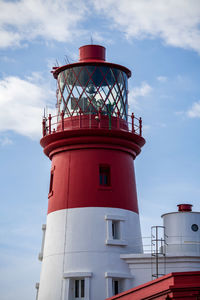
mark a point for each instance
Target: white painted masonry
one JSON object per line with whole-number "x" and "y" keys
{"x": 182, "y": 250}
{"x": 76, "y": 246}
{"x": 181, "y": 239}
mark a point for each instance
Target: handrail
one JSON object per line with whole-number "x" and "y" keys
{"x": 56, "y": 123}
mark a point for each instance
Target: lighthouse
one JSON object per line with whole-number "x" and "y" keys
{"x": 92, "y": 216}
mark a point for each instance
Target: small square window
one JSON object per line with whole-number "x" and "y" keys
{"x": 115, "y": 230}
{"x": 104, "y": 175}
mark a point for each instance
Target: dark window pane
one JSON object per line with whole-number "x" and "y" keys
{"x": 51, "y": 183}
{"x": 116, "y": 287}
{"x": 100, "y": 179}
{"x": 82, "y": 77}
{"x": 82, "y": 288}
{"x": 76, "y": 288}
{"x": 113, "y": 229}
{"x": 91, "y": 69}
{"x": 104, "y": 175}
{"x": 116, "y": 230}
{"x": 97, "y": 77}
{"x": 105, "y": 179}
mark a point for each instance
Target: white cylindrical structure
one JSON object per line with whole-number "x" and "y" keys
{"x": 182, "y": 231}
{"x": 74, "y": 251}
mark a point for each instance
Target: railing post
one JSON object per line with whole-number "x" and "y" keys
{"x": 62, "y": 120}
{"x": 99, "y": 125}
{"x": 90, "y": 120}
{"x": 118, "y": 121}
{"x": 132, "y": 119}
{"x": 140, "y": 126}
{"x": 44, "y": 126}
{"x": 49, "y": 123}
{"x": 80, "y": 125}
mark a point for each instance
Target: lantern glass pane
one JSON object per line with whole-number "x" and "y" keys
{"x": 90, "y": 88}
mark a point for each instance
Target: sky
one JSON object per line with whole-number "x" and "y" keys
{"x": 159, "y": 41}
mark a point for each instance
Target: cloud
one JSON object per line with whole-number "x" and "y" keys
{"x": 176, "y": 22}
{"x": 7, "y": 59}
{"x": 162, "y": 78}
{"x": 141, "y": 91}
{"x": 194, "y": 111}
{"x": 21, "y": 103}
{"x": 5, "y": 141}
{"x": 26, "y": 20}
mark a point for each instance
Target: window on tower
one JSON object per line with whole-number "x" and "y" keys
{"x": 117, "y": 282}
{"x": 77, "y": 285}
{"x": 115, "y": 286}
{"x": 104, "y": 175}
{"x": 115, "y": 231}
{"x": 79, "y": 288}
{"x": 51, "y": 182}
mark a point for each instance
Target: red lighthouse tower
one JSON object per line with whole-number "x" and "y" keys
{"x": 92, "y": 211}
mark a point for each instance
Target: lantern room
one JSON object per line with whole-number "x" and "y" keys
{"x": 92, "y": 85}
{"x": 92, "y": 93}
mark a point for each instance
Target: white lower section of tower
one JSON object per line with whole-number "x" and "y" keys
{"x": 81, "y": 256}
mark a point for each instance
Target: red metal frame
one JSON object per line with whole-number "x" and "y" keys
{"x": 57, "y": 70}
{"x": 87, "y": 122}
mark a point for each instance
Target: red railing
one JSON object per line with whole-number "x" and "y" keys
{"x": 57, "y": 123}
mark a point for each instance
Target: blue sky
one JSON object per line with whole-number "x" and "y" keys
{"x": 160, "y": 42}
